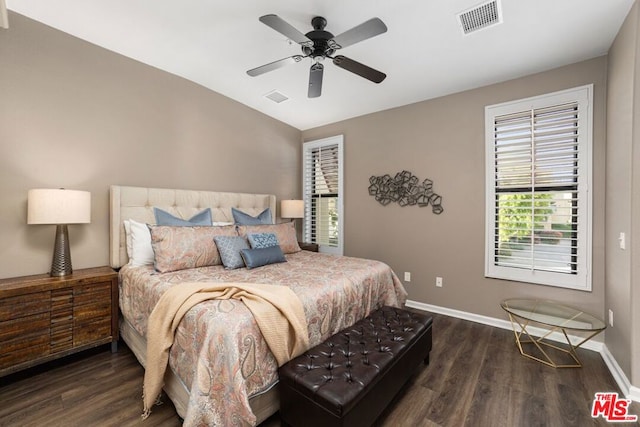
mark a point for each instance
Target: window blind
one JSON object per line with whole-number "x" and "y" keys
{"x": 321, "y": 187}
{"x": 538, "y": 195}
{"x": 536, "y": 181}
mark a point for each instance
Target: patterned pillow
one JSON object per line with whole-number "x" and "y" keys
{"x": 242, "y": 218}
{"x": 262, "y": 256}
{"x": 179, "y": 248}
{"x": 229, "y": 248}
{"x": 262, "y": 240}
{"x": 285, "y": 233}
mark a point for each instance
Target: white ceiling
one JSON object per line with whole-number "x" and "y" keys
{"x": 423, "y": 53}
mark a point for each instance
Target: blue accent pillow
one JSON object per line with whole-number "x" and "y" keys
{"x": 229, "y": 248}
{"x": 262, "y": 240}
{"x": 165, "y": 218}
{"x": 242, "y": 218}
{"x": 262, "y": 256}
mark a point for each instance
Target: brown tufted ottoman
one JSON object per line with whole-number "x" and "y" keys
{"x": 349, "y": 379}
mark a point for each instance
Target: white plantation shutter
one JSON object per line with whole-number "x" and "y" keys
{"x": 538, "y": 199}
{"x": 322, "y": 187}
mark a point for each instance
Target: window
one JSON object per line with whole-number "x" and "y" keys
{"x": 538, "y": 199}
{"x": 322, "y": 187}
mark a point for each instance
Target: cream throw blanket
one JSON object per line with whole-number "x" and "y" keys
{"x": 276, "y": 309}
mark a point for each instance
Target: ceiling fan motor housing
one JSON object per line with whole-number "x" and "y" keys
{"x": 320, "y": 39}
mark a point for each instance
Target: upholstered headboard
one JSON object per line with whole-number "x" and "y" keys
{"x": 138, "y": 202}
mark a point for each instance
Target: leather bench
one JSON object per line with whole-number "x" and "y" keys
{"x": 349, "y": 379}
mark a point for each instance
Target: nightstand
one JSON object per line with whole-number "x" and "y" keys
{"x": 311, "y": 247}
{"x": 43, "y": 318}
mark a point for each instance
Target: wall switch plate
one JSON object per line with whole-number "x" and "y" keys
{"x": 439, "y": 282}
{"x": 623, "y": 241}
{"x": 407, "y": 276}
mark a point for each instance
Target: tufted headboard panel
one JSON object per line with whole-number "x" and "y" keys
{"x": 138, "y": 202}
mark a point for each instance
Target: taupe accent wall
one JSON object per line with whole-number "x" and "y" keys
{"x": 623, "y": 197}
{"x": 443, "y": 140}
{"x": 78, "y": 116}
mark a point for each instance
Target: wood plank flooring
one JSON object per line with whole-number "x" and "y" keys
{"x": 476, "y": 377}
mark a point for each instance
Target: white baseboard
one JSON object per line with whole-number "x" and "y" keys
{"x": 621, "y": 379}
{"x": 616, "y": 372}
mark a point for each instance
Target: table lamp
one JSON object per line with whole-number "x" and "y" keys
{"x": 60, "y": 207}
{"x": 292, "y": 209}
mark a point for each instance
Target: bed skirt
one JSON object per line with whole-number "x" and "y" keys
{"x": 263, "y": 404}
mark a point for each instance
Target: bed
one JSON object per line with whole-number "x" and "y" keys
{"x": 221, "y": 371}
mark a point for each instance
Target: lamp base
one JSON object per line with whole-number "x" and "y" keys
{"x": 61, "y": 263}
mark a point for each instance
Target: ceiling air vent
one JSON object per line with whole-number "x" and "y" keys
{"x": 481, "y": 16}
{"x": 276, "y": 96}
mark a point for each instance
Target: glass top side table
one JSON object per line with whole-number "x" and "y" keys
{"x": 554, "y": 317}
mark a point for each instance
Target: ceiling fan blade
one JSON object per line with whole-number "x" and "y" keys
{"x": 315, "y": 80}
{"x": 286, "y": 29}
{"x": 366, "y": 30}
{"x": 274, "y": 65}
{"x": 359, "y": 69}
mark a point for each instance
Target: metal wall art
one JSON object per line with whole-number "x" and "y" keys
{"x": 406, "y": 189}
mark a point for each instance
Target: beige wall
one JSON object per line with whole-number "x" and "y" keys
{"x": 623, "y": 197}
{"x": 77, "y": 116}
{"x": 443, "y": 139}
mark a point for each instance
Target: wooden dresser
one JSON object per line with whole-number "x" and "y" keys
{"x": 44, "y": 318}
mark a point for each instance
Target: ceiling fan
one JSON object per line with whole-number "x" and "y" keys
{"x": 319, "y": 44}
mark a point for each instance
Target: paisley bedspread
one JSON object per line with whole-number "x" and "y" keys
{"x": 218, "y": 351}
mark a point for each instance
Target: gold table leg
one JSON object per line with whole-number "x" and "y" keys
{"x": 539, "y": 343}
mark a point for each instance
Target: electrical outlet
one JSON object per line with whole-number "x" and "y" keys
{"x": 407, "y": 276}
{"x": 623, "y": 241}
{"x": 439, "y": 282}
{"x": 611, "y": 318}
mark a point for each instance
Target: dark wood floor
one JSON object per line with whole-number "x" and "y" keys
{"x": 476, "y": 378}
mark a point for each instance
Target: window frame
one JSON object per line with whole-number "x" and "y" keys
{"x": 582, "y": 279}
{"x": 307, "y": 147}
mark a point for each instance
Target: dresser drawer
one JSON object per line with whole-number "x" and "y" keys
{"x": 86, "y": 294}
{"x": 92, "y": 331}
{"x": 28, "y": 325}
{"x": 23, "y": 348}
{"x": 24, "y": 305}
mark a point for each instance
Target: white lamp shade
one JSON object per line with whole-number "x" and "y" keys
{"x": 292, "y": 209}
{"x": 58, "y": 206}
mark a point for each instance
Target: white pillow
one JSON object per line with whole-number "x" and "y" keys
{"x": 221, "y": 223}
{"x": 127, "y": 235}
{"x": 139, "y": 246}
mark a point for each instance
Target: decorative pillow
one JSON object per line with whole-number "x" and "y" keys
{"x": 179, "y": 248}
{"x": 262, "y": 256}
{"x": 138, "y": 243}
{"x": 242, "y": 218}
{"x": 229, "y": 248}
{"x": 165, "y": 218}
{"x": 285, "y": 233}
{"x": 262, "y": 240}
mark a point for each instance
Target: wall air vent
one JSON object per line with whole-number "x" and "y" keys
{"x": 481, "y": 16}
{"x": 276, "y": 96}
